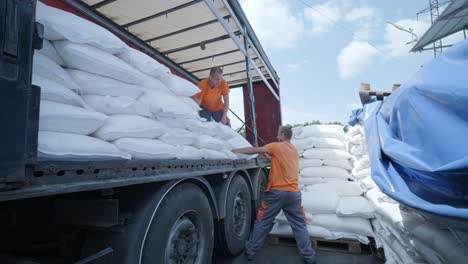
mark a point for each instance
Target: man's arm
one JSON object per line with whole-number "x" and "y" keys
{"x": 197, "y": 99}
{"x": 250, "y": 151}
{"x": 224, "y": 118}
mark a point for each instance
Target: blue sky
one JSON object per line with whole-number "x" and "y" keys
{"x": 322, "y": 57}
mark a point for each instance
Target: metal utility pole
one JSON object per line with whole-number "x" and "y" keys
{"x": 434, "y": 10}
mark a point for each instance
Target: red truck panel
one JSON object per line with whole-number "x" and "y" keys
{"x": 268, "y": 111}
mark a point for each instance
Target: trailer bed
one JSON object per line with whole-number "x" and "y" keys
{"x": 59, "y": 177}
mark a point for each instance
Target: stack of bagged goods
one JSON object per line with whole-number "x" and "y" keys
{"x": 405, "y": 235}
{"x": 101, "y": 99}
{"x": 357, "y": 147}
{"x": 332, "y": 201}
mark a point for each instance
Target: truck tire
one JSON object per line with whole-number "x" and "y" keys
{"x": 238, "y": 218}
{"x": 181, "y": 230}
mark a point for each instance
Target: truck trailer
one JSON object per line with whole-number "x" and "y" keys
{"x": 134, "y": 211}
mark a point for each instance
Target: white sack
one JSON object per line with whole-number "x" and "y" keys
{"x": 189, "y": 102}
{"x": 367, "y": 183}
{"x": 362, "y": 163}
{"x": 340, "y": 163}
{"x": 173, "y": 122}
{"x": 333, "y": 222}
{"x": 60, "y": 25}
{"x": 48, "y": 69}
{"x": 240, "y": 142}
{"x": 331, "y": 131}
{"x": 179, "y": 86}
{"x": 189, "y": 153}
{"x": 362, "y": 173}
{"x": 227, "y": 132}
{"x": 306, "y": 181}
{"x": 161, "y": 103}
{"x": 354, "y": 130}
{"x": 55, "y": 92}
{"x": 325, "y": 172}
{"x": 213, "y": 154}
{"x": 284, "y": 229}
{"x": 204, "y": 128}
{"x": 153, "y": 84}
{"x": 306, "y": 163}
{"x": 178, "y": 137}
{"x": 144, "y": 63}
{"x": 358, "y": 150}
{"x": 130, "y": 126}
{"x": 355, "y": 206}
{"x": 322, "y": 153}
{"x": 208, "y": 142}
{"x": 49, "y": 51}
{"x": 91, "y": 59}
{"x": 340, "y": 187}
{"x": 146, "y": 149}
{"x": 74, "y": 147}
{"x": 317, "y": 142}
{"x": 112, "y": 105}
{"x": 320, "y": 202}
{"x": 64, "y": 118}
{"x": 95, "y": 84}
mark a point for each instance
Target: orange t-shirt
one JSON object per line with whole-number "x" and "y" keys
{"x": 211, "y": 97}
{"x": 284, "y": 173}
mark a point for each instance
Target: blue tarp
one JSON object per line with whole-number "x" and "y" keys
{"x": 418, "y": 137}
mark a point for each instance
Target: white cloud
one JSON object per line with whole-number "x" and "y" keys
{"x": 296, "y": 66}
{"x": 355, "y": 58}
{"x": 395, "y": 45}
{"x": 323, "y": 16}
{"x": 274, "y": 23}
{"x": 360, "y": 13}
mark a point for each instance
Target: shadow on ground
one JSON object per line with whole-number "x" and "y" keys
{"x": 280, "y": 254}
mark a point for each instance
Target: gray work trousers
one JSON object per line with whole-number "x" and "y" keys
{"x": 208, "y": 115}
{"x": 272, "y": 203}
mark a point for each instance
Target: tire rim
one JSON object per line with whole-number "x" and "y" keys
{"x": 239, "y": 214}
{"x": 184, "y": 244}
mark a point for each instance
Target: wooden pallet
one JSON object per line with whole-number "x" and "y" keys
{"x": 339, "y": 245}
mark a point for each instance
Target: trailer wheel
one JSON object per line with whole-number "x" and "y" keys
{"x": 181, "y": 230}
{"x": 238, "y": 216}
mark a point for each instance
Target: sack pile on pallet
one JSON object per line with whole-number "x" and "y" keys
{"x": 332, "y": 201}
{"x": 102, "y": 100}
{"x": 404, "y": 235}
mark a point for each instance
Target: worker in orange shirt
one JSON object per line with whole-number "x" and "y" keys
{"x": 282, "y": 193}
{"x": 214, "y": 97}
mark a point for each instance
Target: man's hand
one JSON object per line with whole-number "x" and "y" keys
{"x": 225, "y": 120}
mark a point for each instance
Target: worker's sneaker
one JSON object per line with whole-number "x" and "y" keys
{"x": 311, "y": 260}
{"x": 249, "y": 257}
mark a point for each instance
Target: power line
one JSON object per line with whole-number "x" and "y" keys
{"x": 336, "y": 23}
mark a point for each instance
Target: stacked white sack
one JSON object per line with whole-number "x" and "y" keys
{"x": 332, "y": 203}
{"x": 405, "y": 235}
{"x": 102, "y": 99}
